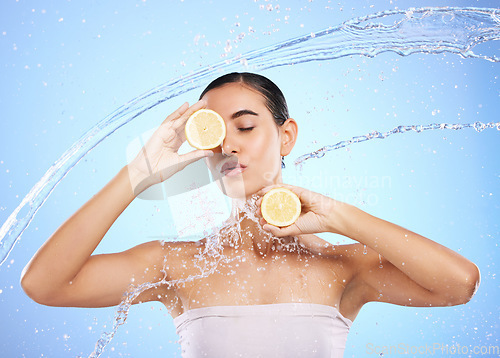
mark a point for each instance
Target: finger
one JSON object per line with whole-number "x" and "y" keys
{"x": 195, "y": 155}
{"x": 276, "y": 231}
{"x": 181, "y": 121}
{"x": 161, "y": 132}
{"x": 177, "y": 113}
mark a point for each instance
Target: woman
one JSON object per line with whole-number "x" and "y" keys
{"x": 251, "y": 289}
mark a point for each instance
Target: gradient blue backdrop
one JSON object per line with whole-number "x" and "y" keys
{"x": 65, "y": 65}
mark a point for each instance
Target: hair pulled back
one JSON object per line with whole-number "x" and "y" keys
{"x": 274, "y": 99}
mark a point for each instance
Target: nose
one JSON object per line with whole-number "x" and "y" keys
{"x": 228, "y": 146}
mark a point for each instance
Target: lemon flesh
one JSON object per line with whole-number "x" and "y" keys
{"x": 205, "y": 129}
{"x": 280, "y": 207}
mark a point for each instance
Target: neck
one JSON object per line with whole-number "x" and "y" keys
{"x": 251, "y": 236}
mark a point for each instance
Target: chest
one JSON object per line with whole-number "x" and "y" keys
{"x": 240, "y": 280}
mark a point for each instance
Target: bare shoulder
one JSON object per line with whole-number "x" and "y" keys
{"x": 157, "y": 253}
{"x": 319, "y": 246}
{"x": 356, "y": 259}
{"x": 342, "y": 258}
{"x": 163, "y": 263}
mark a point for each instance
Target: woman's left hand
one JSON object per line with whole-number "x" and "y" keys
{"x": 318, "y": 213}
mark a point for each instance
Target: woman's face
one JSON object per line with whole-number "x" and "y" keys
{"x": 252, "y": 143}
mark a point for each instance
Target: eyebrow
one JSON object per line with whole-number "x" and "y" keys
{"x": 242, "y": 113}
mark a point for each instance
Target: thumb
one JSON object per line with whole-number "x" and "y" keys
{"x": 277, "y": 231}
{"x": 193, "y": 156}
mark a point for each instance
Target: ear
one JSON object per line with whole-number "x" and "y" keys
{"x": 289, "y": 131}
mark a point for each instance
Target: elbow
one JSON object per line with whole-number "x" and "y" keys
{"x": 472, "y": 281}
{"x": 468, "y": 285}
{"x": 28, "y": 285}
{"x": 34, "y": 289}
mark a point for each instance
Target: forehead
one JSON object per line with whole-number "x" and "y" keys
{"x": 233, "y": 97}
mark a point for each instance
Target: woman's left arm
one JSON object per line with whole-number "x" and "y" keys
{"x": 448, "y": 277}
{"x": 440, "y": 276}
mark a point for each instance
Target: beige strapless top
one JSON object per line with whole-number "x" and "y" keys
{"x": 273, "y": 330}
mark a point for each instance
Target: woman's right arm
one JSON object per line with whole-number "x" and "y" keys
{"x": 63, "y": 272}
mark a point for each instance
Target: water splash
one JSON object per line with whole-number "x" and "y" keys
{"x": 206, "y": 262}
{"x": 478, "y": 126}
{"x": 423, "y": 30}
{"x": 121, "y": 316}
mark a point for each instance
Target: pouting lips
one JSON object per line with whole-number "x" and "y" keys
{"x": 231, "y": 165}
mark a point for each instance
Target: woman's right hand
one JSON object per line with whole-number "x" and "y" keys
{"x": 158, "y": 160}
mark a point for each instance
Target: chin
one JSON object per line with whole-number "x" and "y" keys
{"x": 231, "y": 187}
{"x": 236, "y": 188}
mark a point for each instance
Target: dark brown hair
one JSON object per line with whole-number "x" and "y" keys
{"x": 274, "y": 98}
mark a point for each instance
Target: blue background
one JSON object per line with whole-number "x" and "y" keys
{"x": 65, "y": 65}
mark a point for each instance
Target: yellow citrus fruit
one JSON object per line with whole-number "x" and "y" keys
{"x": 205, "y": 129}
{"x": 280, "y": 207}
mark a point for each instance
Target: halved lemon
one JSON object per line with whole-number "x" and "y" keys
{"x": 280, "y": 207}
{"x": 205, "y": 129}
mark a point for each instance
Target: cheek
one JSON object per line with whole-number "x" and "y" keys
{"x": 267, "y": 137}
{"x": 261, "y": 147}
{"x": 266, "y": 150}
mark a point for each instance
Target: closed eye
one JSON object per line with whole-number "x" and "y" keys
{"x": 245, "y": 129}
